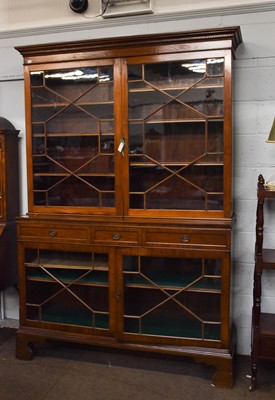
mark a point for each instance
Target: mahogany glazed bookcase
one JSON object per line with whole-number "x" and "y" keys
{"x": 127, "y": 240}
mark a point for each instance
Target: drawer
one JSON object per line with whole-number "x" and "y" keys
{"x": 188, "y": 238}
{"x": 54, "y": 232}
{"x": 116, "y": 237}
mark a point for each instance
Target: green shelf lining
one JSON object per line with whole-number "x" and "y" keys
{"x": 188, "y": 329}
{"x": 160, "y": 282}
{"x": 78, "y": 317}
{"x": 96, "y": 277}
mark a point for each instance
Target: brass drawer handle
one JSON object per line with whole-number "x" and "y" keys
{"x": 52, "y": 233}
{"x": 116, "y": 236}
{"x": 185, "y": 238}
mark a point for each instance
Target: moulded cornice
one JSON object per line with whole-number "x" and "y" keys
{"x": 44, "y": 51}
{"x": 99, "y": 23}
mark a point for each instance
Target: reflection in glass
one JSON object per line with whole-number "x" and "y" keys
{"x": 67, "y": 287}
{"x": 176, "y": 148}
{"x": 73, "y": 137}
{"x": 172, "y": 297}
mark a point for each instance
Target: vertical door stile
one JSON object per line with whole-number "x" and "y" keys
{"x": 228, "y": 134}
{"x": 118, "y": 292}
{"x": 112, "y": 294}
{"x": 28, "y": 96}
{"x": 225, "y": 301}
{"x": 124, "y": 136}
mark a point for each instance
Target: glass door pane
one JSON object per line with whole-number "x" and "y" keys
{"x": 73, "y": 137}
{"x": 172, "y": 297}
{"x": 176, "y": 145}
{"x": 68, "y": 288}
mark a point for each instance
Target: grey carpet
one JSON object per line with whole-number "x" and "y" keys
{"x": 73, "y": 372}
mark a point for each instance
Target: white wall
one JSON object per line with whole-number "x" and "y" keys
{"x": 20, "y": 14}
{"x": 254, "y": 103}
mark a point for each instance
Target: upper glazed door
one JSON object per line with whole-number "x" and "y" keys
{"x": 72, "y": 138}
{"x": 179, "y": 135}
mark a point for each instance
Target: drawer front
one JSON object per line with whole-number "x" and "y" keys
{"x": 116, "y": 237}
{"x": 55, "y": 233}
{"x": 188, "y": 238}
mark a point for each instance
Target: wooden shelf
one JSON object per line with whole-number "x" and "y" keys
{"x": 160, "y": 88}
{"x": 173, "y": 164}
{"x": 99, "y": 278}
{"x": 68, "y": 104}
{"x": 72, "y": 173}
{"x": 187, "y": 282}
{"x": 70, "y": 134}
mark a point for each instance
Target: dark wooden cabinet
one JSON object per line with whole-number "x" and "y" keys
{"x": 9, "y": 202}
{"x": 128, "y": 237}
{"x": 263, "y": 324}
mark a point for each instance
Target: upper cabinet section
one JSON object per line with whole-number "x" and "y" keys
{"x": 137, "y": 126}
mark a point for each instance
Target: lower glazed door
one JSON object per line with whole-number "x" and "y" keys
{"x": 172, "y": 297}
{"x": 67, "y": 289}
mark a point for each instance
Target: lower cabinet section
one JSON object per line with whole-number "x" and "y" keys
{"x": 168, "y": 300}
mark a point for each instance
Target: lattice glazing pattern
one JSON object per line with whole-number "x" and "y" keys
{"x": 73, "y": 137}
{"x": 176, "y": 145}
{"x": 183, "y": 297}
